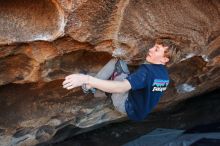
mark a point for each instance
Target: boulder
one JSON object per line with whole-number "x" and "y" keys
{"x": 43, "y": 41}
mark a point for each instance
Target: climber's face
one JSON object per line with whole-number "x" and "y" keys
{"x": 156, "y": 55}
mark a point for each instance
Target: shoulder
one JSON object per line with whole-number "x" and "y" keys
{"x": 144, "y": 67}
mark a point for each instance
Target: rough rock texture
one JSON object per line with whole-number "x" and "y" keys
{"x": 81, "y": 35}
{"x": 29, "y": 20}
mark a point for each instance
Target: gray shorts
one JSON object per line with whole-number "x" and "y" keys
{"x": 118, "y": 99}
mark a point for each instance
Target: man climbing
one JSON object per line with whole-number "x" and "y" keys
{"x": 136, "y": 94}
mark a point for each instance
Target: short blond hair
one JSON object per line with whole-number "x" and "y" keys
{"x": 172, "y": 48}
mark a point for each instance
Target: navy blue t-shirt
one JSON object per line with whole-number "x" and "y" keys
{"x": 148, "y": 84}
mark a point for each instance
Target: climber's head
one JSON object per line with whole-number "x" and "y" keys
{"x": 161, "y": 52}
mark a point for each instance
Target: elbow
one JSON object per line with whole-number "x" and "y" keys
{"x": 123, "y": 91}
{"x": 125, "y": 87}
{"x": 120, "y": 91}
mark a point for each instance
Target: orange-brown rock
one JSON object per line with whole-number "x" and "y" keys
{"x": 43, "y": 41}
{"x": 29, "y": 20}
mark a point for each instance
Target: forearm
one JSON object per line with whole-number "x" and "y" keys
{"x": 108, "y": 85}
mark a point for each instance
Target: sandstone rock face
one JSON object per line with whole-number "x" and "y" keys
{"x": 81, "y": 35}
{"x": 29, "y": 20}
